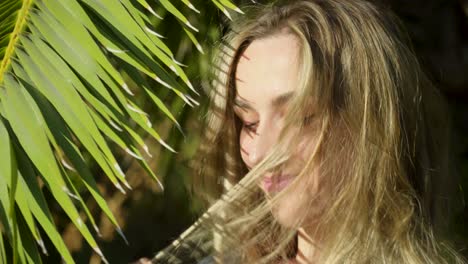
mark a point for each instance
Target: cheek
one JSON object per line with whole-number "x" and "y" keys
{"x": 294, "y": 207}
{"x": 301, "y": 202}
{"x": 245, "y": 145}
{"x": 306, "y": 148}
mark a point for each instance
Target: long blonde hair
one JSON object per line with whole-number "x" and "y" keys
{"x": 383, "y": 142}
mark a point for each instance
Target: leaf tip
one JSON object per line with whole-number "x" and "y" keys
{"x": 200, "y": 48}
{"x": 238, "y": 10}
{"x": 174, "y": 70}
{"x": 191, "y": 26}
{"x": 114, "y": 125}
{"x": 98, "y": 232}
{"x": 67, "y": 165}
{"x": 178, "y": 63}
{"x": 145, "y": 147}
{"x": 153, "y": 12}
{"x": 166, "y": 146}
{"x": 125, "y": 87}
{"x": 119, "y": 187}
{"x": 67, "y": 191}
{"x": 193, "y": 8}
{"x": 227, "y": 13}
{"x": 99, "y": 252}
{"x": 154, "y": 33}
{"x": 133, "y": 154}
{"x": 121, "y": 233}
{"x": 127, "y": 185}
{"x": 41, "y": 244}
{"x": 119, "y": 170}
{"x": 162, "y": 82}
{"x": 117, "y": 51}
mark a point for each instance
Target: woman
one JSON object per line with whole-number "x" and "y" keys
{"x": 326, "y": 142}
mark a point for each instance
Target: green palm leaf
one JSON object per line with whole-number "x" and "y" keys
{"x": 62, "y": 97}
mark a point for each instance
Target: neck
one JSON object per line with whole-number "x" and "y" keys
{"x": 307, "y": 249}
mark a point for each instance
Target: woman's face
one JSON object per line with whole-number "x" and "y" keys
{"x": 266, "y": 79}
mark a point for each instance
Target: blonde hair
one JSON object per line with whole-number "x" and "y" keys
{"x": 382, "y": 142}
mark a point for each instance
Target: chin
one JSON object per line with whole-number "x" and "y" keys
{"x": 294, "y": 211}
{"x": 288, "y": 212}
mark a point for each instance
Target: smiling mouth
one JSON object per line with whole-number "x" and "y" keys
{"x": 276, "y": 183}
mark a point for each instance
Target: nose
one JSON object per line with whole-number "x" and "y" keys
{"x": 261, "y": 142}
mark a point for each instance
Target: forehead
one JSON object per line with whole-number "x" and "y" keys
{"x": 267, "y": 68}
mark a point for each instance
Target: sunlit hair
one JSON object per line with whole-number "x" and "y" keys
{"x": 384, "y": 188}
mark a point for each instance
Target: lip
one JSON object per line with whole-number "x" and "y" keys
{"x": 275, "y": 183}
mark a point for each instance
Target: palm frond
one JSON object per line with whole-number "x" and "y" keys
{"x": 63, "y": 97}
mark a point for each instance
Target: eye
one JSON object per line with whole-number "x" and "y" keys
{"x": 250, "y": 126}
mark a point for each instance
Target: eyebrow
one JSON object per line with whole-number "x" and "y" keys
{"x": 277, "y": 102}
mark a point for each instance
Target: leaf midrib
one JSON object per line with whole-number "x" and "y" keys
{"x": 19, "y": 26}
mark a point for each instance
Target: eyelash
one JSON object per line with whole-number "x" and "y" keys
{"x": 249, "y": 126}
